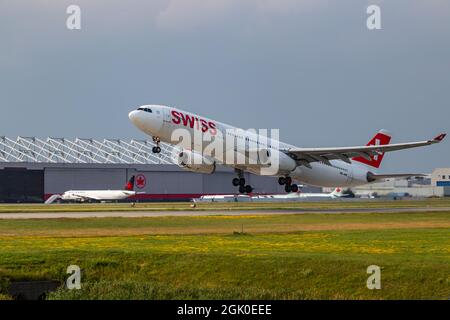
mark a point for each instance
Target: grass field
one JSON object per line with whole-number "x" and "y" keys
{"x": 105, "y": 207}
{"x": 308, "y": 256}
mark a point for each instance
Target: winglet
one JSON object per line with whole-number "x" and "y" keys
{"x": 440, "y": 137}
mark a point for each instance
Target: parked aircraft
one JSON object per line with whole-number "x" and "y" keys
{"x": 337, "y": 193}
{"x": 96, "y": 195}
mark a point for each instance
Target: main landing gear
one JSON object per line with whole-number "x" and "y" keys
{"x": 156, "y": 149}
{"x": 240, "y": 181}
{"x": 288, "y": 186}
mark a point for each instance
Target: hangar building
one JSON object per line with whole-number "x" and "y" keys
{"x": 441, "y": 178}
{"x": 33, "y": 169}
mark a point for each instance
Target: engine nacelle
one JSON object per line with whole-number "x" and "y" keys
{"x": 279, "y": 162}
{"x": 195, "y": 162}
{"x": 362, "y": 176}
{"x": 370, "y": 177}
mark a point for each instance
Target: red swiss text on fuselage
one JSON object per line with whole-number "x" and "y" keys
{"x": 193, "y": 122}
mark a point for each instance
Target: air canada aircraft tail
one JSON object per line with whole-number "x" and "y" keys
{"x": 130, "y": 184}
{"x": 383, "y": 137}
{"x": 342, "y": 193}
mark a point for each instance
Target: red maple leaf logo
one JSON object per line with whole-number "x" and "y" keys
{"x": 141, "y": 181}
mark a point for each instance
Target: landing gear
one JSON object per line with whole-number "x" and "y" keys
{"x": 284, "y": 181}
{"x": 291, "y": 188}
{"x": 245, "y": 189}
{"x": 240, "y": 182}
{"x": 287, "y": 182}
{"x": 156, "y": 149}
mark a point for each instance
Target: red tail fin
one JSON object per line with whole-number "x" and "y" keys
{"x": 130, "y": 185}
{"x": 383, "y": 137}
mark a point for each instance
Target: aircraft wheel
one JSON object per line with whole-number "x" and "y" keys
{"x": 158, "y": 149}
{"x": 236, "y": 182}
{"x": 294, "y": 188}
{"x": 288, "y": 180}
{"x": 248, "y": 189}
{"x": 242, "y": 182}
{"x": 241, "y": 189}
{"x": 281, "y": 181}
{"x": 288, "y": 188}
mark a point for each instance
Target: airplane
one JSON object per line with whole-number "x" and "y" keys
{"x": 96, "y": 195}
{"x": 323, "y": 167}
{"x": 337, "y": 193}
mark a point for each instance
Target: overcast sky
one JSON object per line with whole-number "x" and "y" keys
{"x": 308, "y": 67}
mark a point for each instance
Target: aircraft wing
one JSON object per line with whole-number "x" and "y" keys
{"x": 307, "y": 155}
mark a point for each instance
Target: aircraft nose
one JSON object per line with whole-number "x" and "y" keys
{"x": 133, "y": 116}
{"x": 147, "y": 119}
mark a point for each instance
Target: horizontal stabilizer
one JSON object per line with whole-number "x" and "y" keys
{"x": 377, "y": 177}
{"x": 53, "y": 198}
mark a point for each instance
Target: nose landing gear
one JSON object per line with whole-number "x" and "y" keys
{"x": 240, "y": 181}
{"x": 288, "y": 186}
{"x": 156, "y": 149}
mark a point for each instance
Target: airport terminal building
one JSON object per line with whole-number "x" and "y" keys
{"x": 33, "y": 169}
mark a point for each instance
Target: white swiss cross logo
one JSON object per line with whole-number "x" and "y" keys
{"x": 377, "y": 143}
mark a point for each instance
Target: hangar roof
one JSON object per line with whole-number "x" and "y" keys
{"x": 82, "y": 150}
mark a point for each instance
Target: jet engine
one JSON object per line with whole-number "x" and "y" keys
{"x": 279, "y": 162}
{"x": 195, "y": 162}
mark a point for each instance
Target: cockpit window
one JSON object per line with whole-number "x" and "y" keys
{"x": 145, "y": 109}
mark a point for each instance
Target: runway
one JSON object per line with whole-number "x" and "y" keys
{"x": 196, "y": 213}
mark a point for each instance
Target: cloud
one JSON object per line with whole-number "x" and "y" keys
{"x": 182, "y": 15}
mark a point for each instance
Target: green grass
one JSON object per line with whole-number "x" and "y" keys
{"x": 108, "y": 207}
{"x": 311, "y": 256}
{"x": 219, "y": 224}
{"x": 5, "y": 297}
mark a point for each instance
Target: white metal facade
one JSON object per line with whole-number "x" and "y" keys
{"x": 82, "y": 150}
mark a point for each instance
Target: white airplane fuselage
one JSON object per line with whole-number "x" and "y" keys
{"x": 100, "y": 195}
{"x": 163, "y": 121}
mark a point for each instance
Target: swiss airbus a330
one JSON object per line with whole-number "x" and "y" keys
{"x": 324, "y": 167}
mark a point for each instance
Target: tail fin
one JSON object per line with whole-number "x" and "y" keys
{"x": 382, "y": 138}
{"x": 130, "y": 184}
{"x": 337, "y": 192}
{"x": 342, "y": 193}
